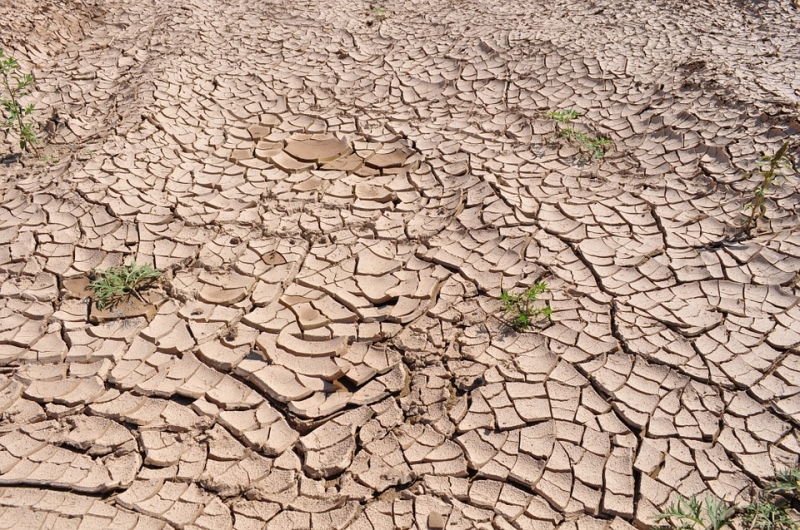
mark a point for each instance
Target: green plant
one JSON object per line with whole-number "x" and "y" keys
{"x": 767, "y": 511}
{"x": 563, "y": 116}
{"x": 16, "y": 87}
{"x": 521, "y": 309}
{"x": 786, "y": 482}
{"x": 596, "y": 146}
{"x": 767, "y": 514}
{"x": 768, "y": 167}
{"x": 380, "y": 13}
{"x": 688, "y": 514}
{"x": 112, "y": 285}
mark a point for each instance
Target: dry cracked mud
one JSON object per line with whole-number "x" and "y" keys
{"x": 337, "y": 197}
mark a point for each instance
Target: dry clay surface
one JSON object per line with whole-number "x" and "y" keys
{"x": 337, "y": 197}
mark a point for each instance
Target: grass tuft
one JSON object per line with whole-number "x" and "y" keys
{"x": 691, "y": 514}
{"x": 769, "y": 509}
{"x": 786, "y": 482}
{"x": 115, "y": 284}
{"x": 767, "y": 514}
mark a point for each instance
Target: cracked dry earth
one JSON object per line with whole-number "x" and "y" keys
{"x": 336, "y": 200}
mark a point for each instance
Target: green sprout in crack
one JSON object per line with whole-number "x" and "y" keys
{"x": 563, "y": 116}
{"x": 14, "y": 115}
{"x": 114, "y": 284}
{"x": 769, "y": 169}
{"x": 595, "y": 146}
{"x": 380, "y": 13}
{"x": 521, "y": 310}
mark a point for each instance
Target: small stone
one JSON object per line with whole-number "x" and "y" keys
{"x": 435, "y": 521}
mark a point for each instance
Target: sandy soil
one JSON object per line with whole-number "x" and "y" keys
{"x": 337, "y": 194}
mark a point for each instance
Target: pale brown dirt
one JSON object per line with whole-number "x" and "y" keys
{"x": 337, "y": 199}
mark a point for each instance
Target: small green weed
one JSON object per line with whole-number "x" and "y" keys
{"x": 49, "y": 159}
{"x": 16, "y": 86}
{"x": 380, "y": 13}
{"x": 521, "y": 309}
{"x": 114, "y": 284}
{"x": 769, "y": 168}
{"x": 767, "y": 514}
{"x": 691, "y": 514}
{"x": 84, "y": 154}
{"x": 595, "y": 146}
{"x": 767, "y": 511}
{"x": 786, "y": 482}
{"x": 563, "y": 116}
